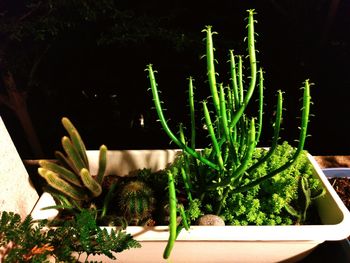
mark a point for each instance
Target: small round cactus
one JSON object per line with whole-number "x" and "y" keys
{"x": 137, "y": 201}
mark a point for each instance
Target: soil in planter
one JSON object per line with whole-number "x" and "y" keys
{"x": 342, "y": 187}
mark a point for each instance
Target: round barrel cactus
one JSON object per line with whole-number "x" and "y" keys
{"x": 137, "y": 201}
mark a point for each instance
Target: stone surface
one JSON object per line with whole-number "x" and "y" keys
{"x": 17, "y": 193}
{"x": 210, "y": 220}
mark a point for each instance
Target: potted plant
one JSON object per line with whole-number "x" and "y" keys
{"x": 276, "y": 202}
{"x": 339, "y": 178}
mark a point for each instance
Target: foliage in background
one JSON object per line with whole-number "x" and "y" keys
{"x": 50, "y": 47}
{"x": 31, "y": 241}
{"x": 28, "y": 31}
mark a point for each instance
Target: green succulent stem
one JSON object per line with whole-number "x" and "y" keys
{"x": 173, "y": 216}
{"x": 76, "y": 139}
{"x": 56, "y": 182}
{"x": 240, "y": 80}
{"x": 102, "y": 164}
{"x": 236, "y": 174}
{"x": 253, "y": 69}
{"x": 62, "y": 171}
{"x": 223, "y": 116}
{"x": 211, "y": 68}
{"x": 75, "y": 160}
{"x": 301, "y": 143}
{"x": 94, "y": 187}
{"x": 275, "y": 139}
{"x": 213, "y": 136}
{"x": 233, "y": 68}
{"x": 192, "y": 113}
{"x": 184, "y": 174}
{"x": 261, "y": 105}
{"x": 165, "y": 124}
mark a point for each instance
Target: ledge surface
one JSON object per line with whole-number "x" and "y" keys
{"x": 329, "y": 161}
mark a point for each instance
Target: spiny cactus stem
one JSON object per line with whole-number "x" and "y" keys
{"x": 305, "y": 115}
{"x": 261, "y": 104}
{"x": 165, "y": 126}
{"x": 102, "y": 164}
{"x": 187, "y": 183}
{"x": 234, "y": 80}
{"x": 300, "y": 147}
{"x": 253, "y": 69}
{"x": 251, "y": 48}
{"x": 192, "y": 113}
{"x": 211, "y": 68}
{"x": 232, "y": 135}
{"x": 182, "y": 134}
{"x": 240, "y": 81}
{"x": 277, "y": 128}
{"x": 213, "y": 136}
{"x": 73, "y": 155}
{"x": 172, "y": 214}
{"x": 65, "y": 173}
{"x": 184, "y": 220}
{"x": 90, "y": 183}
{"x": 230, "y": 104}
{"x": 56, "y": 182}
{"x": 185, "y": 175}
{"x": 244, "y": 163}
{"x": 223, "y": 116}
{"x": 76, "y": 139}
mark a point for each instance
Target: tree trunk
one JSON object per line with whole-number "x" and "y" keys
{"x": 16, "y": 101}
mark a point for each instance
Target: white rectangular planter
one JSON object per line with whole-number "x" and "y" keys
{"x": 214, "y": 243}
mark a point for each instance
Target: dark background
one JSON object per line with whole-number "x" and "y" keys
{"x": 86, "y": 60}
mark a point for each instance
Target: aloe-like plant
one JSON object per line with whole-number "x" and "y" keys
{"x": 233, "y": 131}
{"x": 70, "y": 176}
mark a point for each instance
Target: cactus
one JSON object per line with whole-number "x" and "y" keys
{"x": 63, "y": 186}
{"x": 233, "y": 131}
{"x": 70, "y": 175}
{"x": 136, "y": 201}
